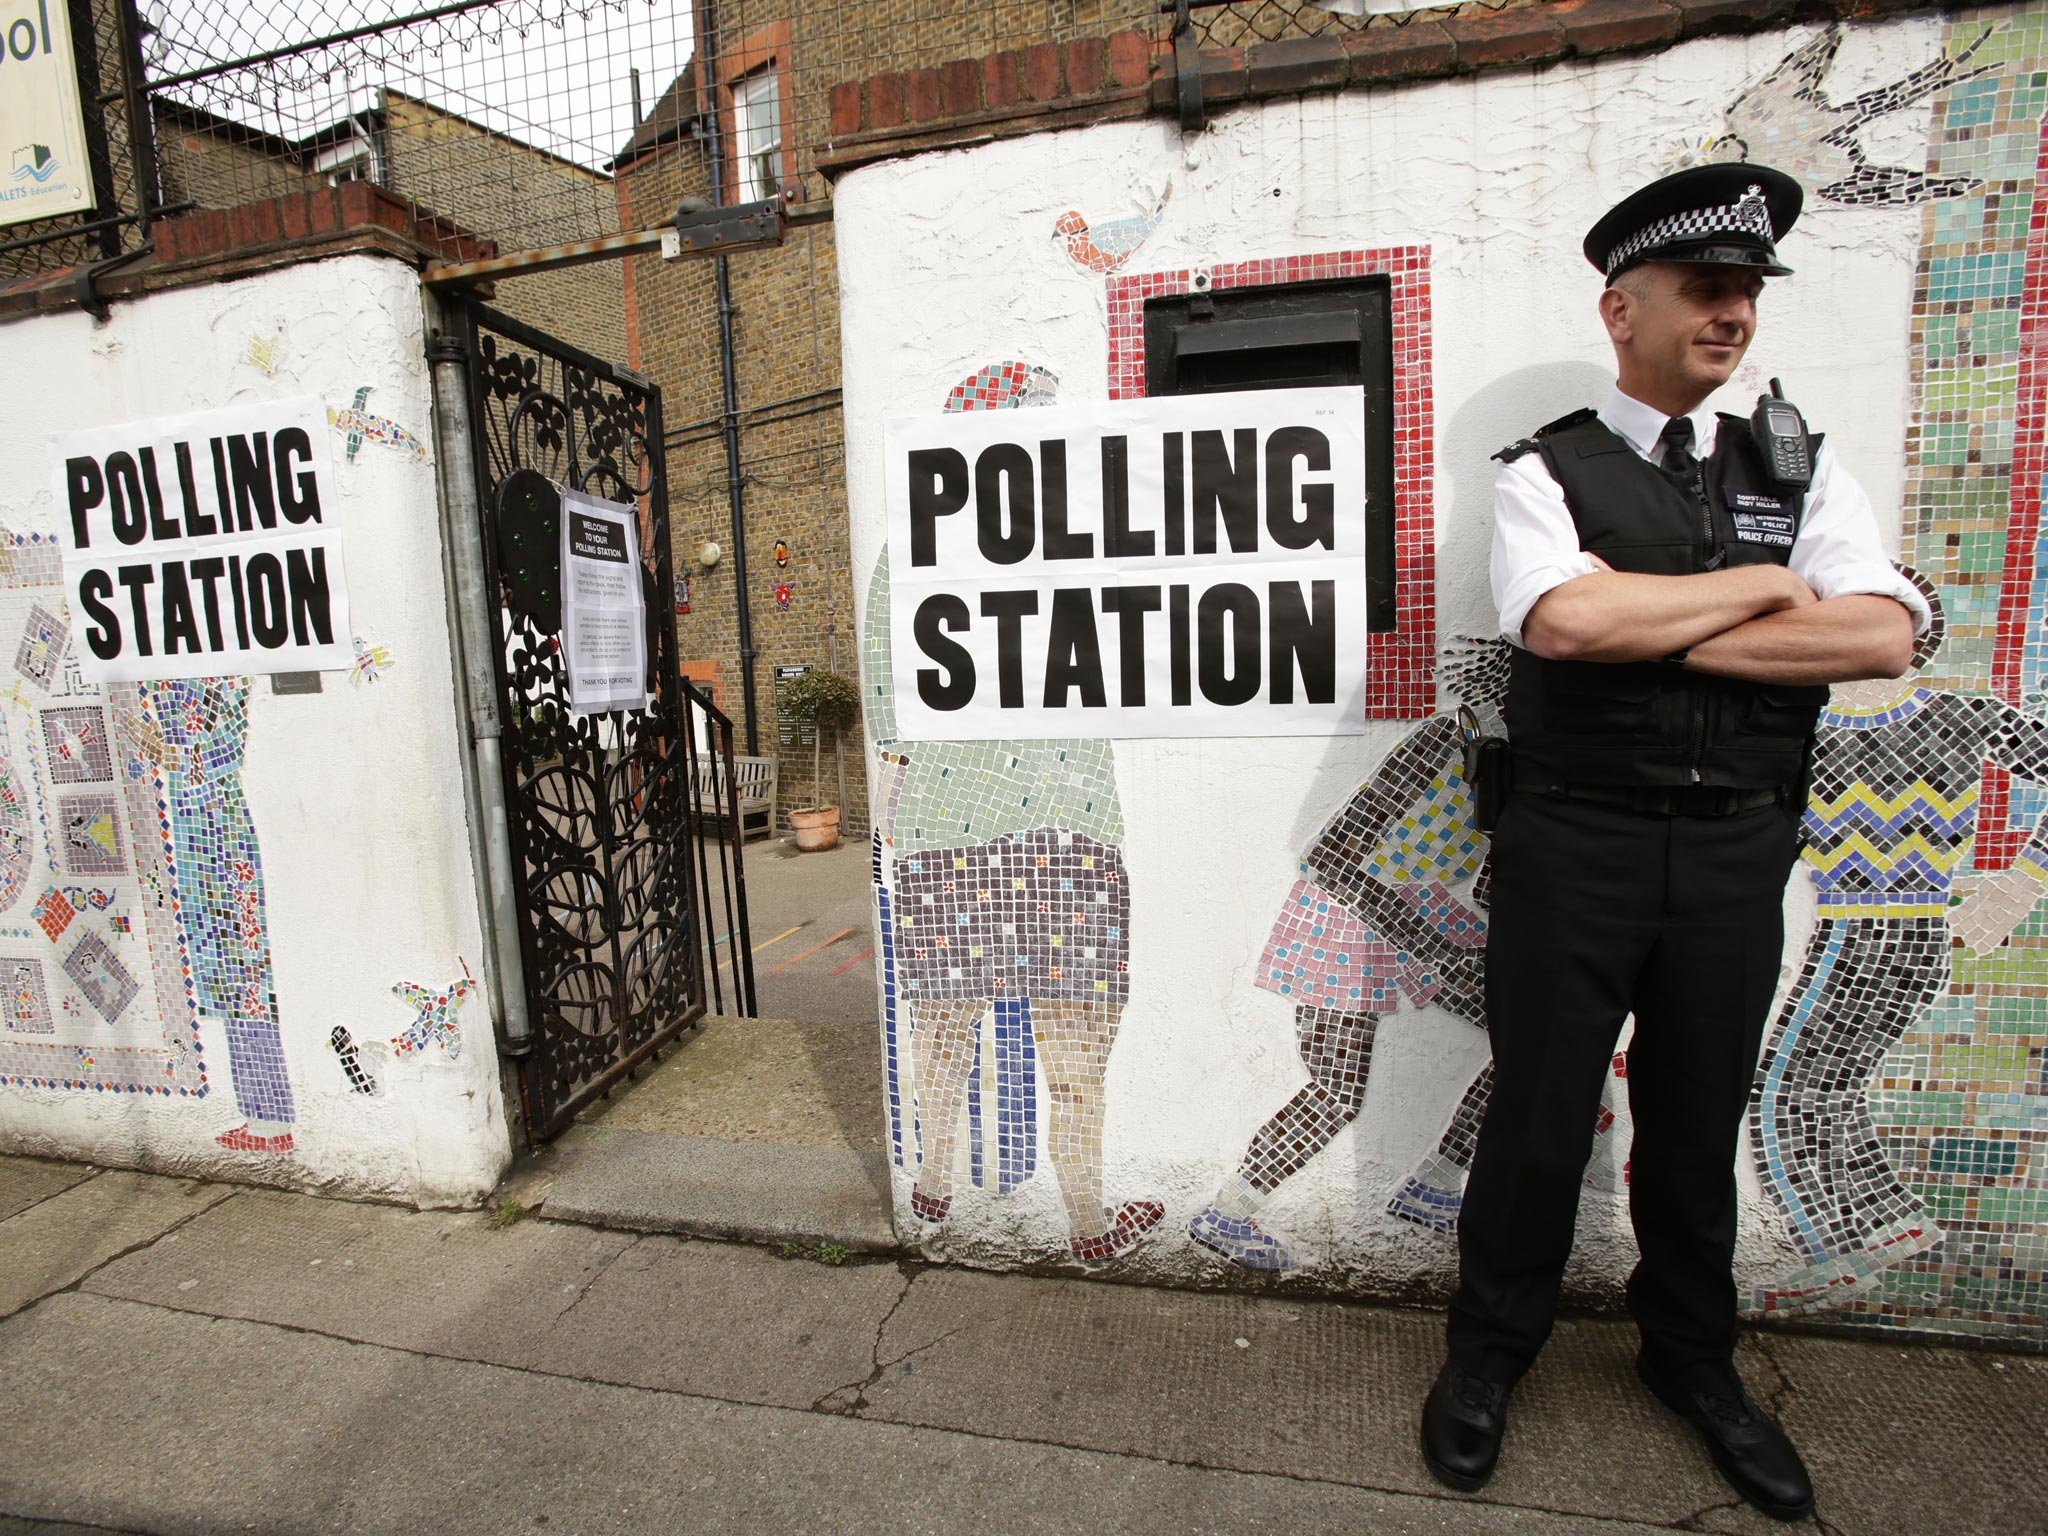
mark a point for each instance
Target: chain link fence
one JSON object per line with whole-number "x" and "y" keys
{"x": 513, "y": 119}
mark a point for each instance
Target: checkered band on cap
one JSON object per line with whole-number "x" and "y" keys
{"x": 1749, "y": 215}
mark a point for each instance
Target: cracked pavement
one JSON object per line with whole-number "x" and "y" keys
{"x": 194, "y": 1357}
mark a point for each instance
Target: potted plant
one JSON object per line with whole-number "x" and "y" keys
{"x": 829, "y": 702}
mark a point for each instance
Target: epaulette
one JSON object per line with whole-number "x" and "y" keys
{"x": 1514, "y": 451}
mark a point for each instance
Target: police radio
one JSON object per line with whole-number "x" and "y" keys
{"x": 1780, "y": 431}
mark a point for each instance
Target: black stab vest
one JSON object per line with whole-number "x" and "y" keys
{"x": 1649, "y": 724}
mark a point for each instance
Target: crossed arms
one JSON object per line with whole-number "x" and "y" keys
{"x": 1760, "y": 623}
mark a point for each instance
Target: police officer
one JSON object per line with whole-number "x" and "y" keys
{"x": 1679, "y": 588}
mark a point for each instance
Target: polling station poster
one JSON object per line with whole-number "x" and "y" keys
{"x": 203, "y": 545}
{"x": 604, "y": 613}
{"x": 1187, "y": 565}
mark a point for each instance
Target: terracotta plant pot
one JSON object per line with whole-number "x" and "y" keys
{"x": 816, "y": 828}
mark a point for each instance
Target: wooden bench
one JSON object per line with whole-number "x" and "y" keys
{"x": 754, "y": 787}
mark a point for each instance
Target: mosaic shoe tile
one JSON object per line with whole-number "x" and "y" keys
{"x": 929, "y": 1207}
{"x": 1239, "y": 1239}
{"x": 1132, "y": 1221}
{"x": 1825, "y": 1283}
{"x": 1427, "y": 1206}
{"x": 242, "y": 1139}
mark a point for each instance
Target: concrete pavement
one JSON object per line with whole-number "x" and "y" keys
{"x": 196, "y": 1358}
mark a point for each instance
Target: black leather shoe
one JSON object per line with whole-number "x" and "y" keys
{"x": 1753, "y": 1453}
{"x": 1463, "y": 1420}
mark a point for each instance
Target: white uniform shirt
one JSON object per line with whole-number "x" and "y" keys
{"x": 1536, "y": 544}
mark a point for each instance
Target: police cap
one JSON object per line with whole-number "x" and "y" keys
{"x": 1727, "y": 214}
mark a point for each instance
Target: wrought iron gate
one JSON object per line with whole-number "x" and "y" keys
{"x": 606, "y": 811}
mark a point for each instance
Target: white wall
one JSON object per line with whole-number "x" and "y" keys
{"x": 948, "y": 262}
{"x": 355, "y": 793}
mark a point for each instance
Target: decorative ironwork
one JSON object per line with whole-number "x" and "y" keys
{"x": 603, "y": 808}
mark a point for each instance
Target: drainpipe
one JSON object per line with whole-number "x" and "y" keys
{"x": 472, "y": 627}
{"x": 728, "y": 379}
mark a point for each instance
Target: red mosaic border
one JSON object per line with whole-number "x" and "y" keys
{"x": 1401, "y": 665}
{"x": 1998, "y": 841}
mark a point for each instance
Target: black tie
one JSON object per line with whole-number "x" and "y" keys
{"x": 1679, "y": 462}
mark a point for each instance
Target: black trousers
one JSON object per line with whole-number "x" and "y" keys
{"x": 1599, "y": 911}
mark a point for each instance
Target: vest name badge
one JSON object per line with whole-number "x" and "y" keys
{"x": 1761, "y": 519}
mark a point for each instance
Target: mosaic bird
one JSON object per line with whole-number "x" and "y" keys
{"x": 1006, "y": 385}
{"x": 436, "y": 1016}
{"x": 1106, "y": 246}
{"x": 362, "y": 427}
{"x": 1785, "y": 120}
{"x": 370, "y": 662}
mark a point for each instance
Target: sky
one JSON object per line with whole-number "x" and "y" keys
{"x": 553, "y": 73}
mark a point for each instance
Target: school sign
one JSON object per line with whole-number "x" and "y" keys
{"x": 44, "y": 172}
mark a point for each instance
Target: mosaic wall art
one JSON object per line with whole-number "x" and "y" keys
{"x": 42, "y": 647}
{"x": 434, "y": 1016}
{"x": 371, "y": 663}
{"x": 358, "y": 426}
{"x": 265, "y": 352}
{"x": 27, "y": 1000}
{"x": 1103, "y": 245}
{"x": 1787, "y": 120}
{"x": 121, "y": 808}
{"x": 1387, "y": 915}
{"x": 1004, "y": 909}
{"x": 1399, "y": 684}
{"x": 354, "y": 1066}
{"x": 1901, "y": 1109}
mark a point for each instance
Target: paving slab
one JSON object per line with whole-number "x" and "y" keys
{"x": 1311, "y": 1389}
{"x": 246, "y": 1427}
{"x": 54, "y": 1243}
{"x": 810, "y": 1083}
{"x": 27, "y": 1181}
{"x": 442, "y": 1282}
{"x": 760, "y": 1192}
{"x": 1913, "y": 1438}
{"x": 723, "y": 1321}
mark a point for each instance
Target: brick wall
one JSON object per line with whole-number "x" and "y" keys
{"x": 786, "y": 358}
{"x": 525, "y": 198}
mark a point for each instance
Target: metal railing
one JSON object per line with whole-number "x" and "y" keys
{"x": 718, "y": 834}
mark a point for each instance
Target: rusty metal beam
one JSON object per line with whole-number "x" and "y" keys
{"x": 720, "y": 231}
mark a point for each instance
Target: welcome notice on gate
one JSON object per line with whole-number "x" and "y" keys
{"x": 1175, "y": 566}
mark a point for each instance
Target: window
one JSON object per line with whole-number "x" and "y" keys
{"x": 1294, "y": 336}
{"x": 353, "y": 158}
{"x": 757, "y": 125}
{"x": 754, "y": 96}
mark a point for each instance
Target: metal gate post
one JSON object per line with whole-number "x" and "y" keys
{"x": 473, "y": 611}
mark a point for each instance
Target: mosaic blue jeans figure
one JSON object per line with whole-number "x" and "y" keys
{"x": 196, "y": 731}
{"x": 1891, "y": 818}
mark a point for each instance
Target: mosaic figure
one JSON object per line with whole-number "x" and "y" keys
{"x": 1373, "y": 920}
{"x": 1891, "y": 818}
{"x": 1005, "y": 917}
{"x": 194, "y": 731}
{"x": 1787, "y": 121}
